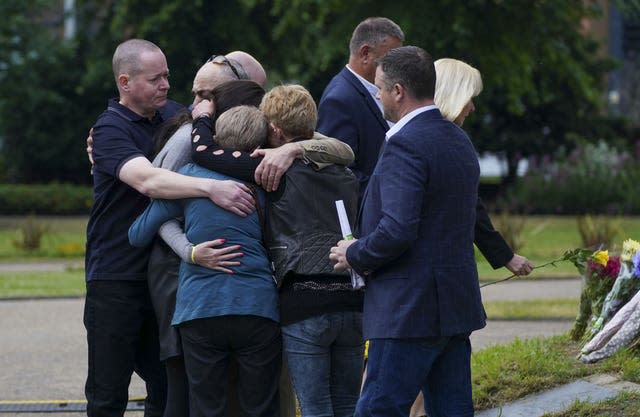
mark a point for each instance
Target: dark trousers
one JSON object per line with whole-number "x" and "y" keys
{"x": 210, "y": 344}
{"x": 398, "y": 369}
{"x": 177, "y": 388}
{"x": 122, "y": 338}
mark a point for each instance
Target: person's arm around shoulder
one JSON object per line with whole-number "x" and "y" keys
{"x": 323, "y": 151}
{"x": 275, "y": 162}
{"x": 153, "y": 182}
{"x": 320, "y": 151}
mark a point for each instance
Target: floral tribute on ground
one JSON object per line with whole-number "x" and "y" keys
{"x": 609, "y": 314}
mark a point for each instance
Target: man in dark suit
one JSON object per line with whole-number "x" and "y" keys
{"x": 348, "y": 109}
{"x": 422, "y": 299}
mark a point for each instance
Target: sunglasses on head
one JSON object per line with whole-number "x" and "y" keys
{"x": 221, "y": 59}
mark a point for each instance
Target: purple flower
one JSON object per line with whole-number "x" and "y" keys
{"x": 635, "y": 259}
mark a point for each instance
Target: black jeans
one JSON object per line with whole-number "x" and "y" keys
{"x": 122, "y": 337}
{"x": 210, "y": 344}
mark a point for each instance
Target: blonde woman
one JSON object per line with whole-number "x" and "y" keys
{"x": 457, "y": 83}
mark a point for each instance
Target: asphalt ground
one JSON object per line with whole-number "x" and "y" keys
{"x": 43, "y": 351}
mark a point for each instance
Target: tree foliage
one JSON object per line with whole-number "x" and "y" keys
{"x": 544, "y": 79}
{"x": 39, "y": 107}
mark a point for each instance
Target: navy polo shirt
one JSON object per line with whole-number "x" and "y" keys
{"x": 119, "y": 135}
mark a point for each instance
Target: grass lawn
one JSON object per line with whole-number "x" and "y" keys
{"x": 558, "y": 308}
{"x": 504, "y": 373}
{"x": 546, "y": 238}
{"x": 42, "y": 284}
{"x": 64, "y": 237}
{"x": 625, "y": 404}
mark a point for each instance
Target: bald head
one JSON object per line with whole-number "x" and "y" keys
{"x": 251, "y": 65}
{"x": 209, "y": 76}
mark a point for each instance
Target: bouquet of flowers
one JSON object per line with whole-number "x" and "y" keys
{"x": 599, "y": 272}
{"x": 626, "y": 285}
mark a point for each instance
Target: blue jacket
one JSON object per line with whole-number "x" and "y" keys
{"x": 202, "y": 292}
{"x": 348, "y": 112}
{"x": 417, "y": 228}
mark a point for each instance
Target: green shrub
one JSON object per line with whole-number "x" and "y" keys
{"x": 597, "y": 231}
{"x": 511, "y": 227}
{"x": 592, "y": 179}
{"x": 30, "y": 234}
{"x": 50, "y": 199}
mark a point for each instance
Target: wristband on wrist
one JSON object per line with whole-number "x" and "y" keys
{"x": 193, "y": 254}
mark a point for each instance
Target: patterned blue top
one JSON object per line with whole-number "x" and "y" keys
{"x": 203, "y": 292}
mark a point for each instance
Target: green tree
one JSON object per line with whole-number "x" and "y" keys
{"x": 543, "y": 77}
{"x": 39, "y": 106}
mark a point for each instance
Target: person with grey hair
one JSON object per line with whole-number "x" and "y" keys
{"x": 224, "y": 315}
{"x": 241, "y": 127}
{"x": 415, "y": 250}
{"x": 349, "y": 109}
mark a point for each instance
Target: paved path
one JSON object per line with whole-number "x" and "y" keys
{"x": 43, "y": 346}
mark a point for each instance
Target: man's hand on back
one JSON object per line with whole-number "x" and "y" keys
{"x": 232, "y": 196}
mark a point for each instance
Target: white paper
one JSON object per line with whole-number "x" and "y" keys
{"x": 357, "y": 281}
{"x": 344, "y": 221}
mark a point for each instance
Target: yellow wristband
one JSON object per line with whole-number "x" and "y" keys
{"x": 193, "y": 254}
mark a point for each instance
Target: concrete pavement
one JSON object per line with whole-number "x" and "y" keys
{"x": 43, "y": 347}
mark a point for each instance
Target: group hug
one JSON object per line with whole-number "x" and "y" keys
{"x": 216, "y": 265}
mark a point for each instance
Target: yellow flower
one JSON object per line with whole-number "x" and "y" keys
{"x": 629, "y": 247}
{"x": 601, "y": 257}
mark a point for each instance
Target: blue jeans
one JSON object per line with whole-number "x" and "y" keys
{"x": 397, "y": 369}
{"x": 325, "y": 358}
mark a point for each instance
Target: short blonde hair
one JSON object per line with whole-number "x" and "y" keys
{"x": 456, "y": 83}
{"x": 242, "y": 127}
{"x": 292, "y": 109}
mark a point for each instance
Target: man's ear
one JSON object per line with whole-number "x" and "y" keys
{"x": 123, "y": 82}
{"x": 399, "y": 91}
{"x": 363, "y": 53}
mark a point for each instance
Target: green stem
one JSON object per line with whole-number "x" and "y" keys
{"x": 516, "y": 275}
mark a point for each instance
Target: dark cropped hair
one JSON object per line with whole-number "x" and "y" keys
{"x": 225, "y": 96}
{"x": 236, "y": 93}
{"x": 413, "y": 68}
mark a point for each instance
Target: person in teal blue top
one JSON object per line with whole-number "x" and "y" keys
{"x": 221, "y": 314}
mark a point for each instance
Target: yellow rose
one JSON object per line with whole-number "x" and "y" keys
{"x": 629, "y": 247}
{"x": 601, "y": 257}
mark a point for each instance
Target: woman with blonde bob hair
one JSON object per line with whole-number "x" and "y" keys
{"x": 457, "y": 83}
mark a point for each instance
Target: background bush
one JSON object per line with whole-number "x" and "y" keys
{"x": 51, "y": 199}
{"x": 591, "y": 179}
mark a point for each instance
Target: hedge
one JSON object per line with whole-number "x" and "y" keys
{"x": 592, "y": 179}
{"x": 50, "y": 199}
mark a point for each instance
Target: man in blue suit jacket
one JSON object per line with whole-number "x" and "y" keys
{"x": 348, "y": 109}
{"x": 422, "y": 299}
